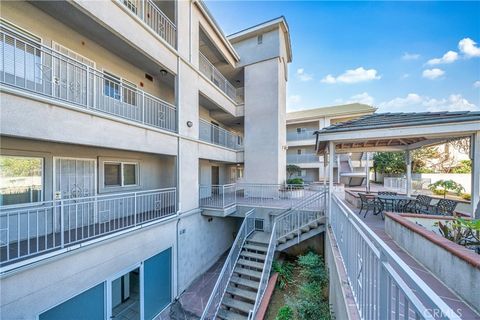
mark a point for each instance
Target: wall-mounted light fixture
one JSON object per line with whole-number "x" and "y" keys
{"x": 163, "y": 72}
{"x": 189, "y": 124}
{"x": 285, "y": 147}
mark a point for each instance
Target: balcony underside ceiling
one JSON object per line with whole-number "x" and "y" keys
{"x": 76, "y": 19}
{"x": 218, "y": 114}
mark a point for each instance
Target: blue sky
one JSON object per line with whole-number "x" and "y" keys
{"x": 398, "y": 56}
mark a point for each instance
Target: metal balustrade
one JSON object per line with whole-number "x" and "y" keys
{"x": 303, "y": 158}
{"x": 35, "y": 68}
{"x": 154, "y": 18}
{"x": 304, "y": 135}
{"x": 384, "y": 287}
{"x": 214, "y": 134}
{"x": 32, "y": 229}
{"x": 215, "y": 76}
{"x": 217, "y": 196}
{"x": 247, "y": 227}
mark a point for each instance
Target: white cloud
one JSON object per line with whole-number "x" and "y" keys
{"x": 454, "y": 102}
{"x": 449, "y": 57}
{"x": 405, "y": 76}
{"x": 353, "y": 76}
{"x": 468, "y": 47}
{"x": 476, "y": 84}
{"x": 303, "y": 76}
{"x": 293, "y": 102}
{"x": 433, "y": 73}
{"x": 364, "y": 98}
{"x": 410, "y": 56}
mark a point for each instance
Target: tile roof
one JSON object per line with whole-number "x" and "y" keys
{"x": 392, "y": 120}
{"x": 345, "y": 109}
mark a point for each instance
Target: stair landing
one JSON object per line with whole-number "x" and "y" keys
{"x": 260, "y": 237}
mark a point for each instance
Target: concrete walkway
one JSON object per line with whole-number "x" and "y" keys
{"x": 192, "y": 301}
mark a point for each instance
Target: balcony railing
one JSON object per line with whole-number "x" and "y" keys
{"x": 383, "y": 286}
{"x": 214, "y": 134}
{"x": 149, "y": 13}
{"x": 38, "y": 228}
{"x": 262, "y": 195}
{"x": 33, "y": 67}
{"x": 302, "y": 158}
{"x": 212, "y": 73}
{"x": 305, "y": 135}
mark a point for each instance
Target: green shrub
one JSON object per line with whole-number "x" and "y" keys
{"x": 439, "y": 192}
{"x": 466, "y": 196}
{"x": 285, "y": 273}
{"x": 313, "y": 268}
{"x": 295, "y": 181}
{"x": 284, "y": 313}
{"x": 445, "y": 186}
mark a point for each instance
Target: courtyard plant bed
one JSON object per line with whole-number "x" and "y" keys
{"x": 302, "y": 289}
{"x": 447, "y": 246}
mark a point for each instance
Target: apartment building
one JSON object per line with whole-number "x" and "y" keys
{"x": 301, "y": 126}
{"x": 113, "y": 115}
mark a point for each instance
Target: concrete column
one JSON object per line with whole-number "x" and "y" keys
{"x": 408, "y": 161}
{"x": 475, "y": 156}
{"x": 331, "y": 159}
{"x": 338, "y": 169}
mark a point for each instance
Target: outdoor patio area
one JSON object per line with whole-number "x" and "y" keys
{"x": 377, "y": 225}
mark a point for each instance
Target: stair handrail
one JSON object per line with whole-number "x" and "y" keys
{"x": 247, "y": 227}
{"x": 265, "y": 272}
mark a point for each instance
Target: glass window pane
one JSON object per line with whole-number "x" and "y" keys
{"x": 157, "y": 278}
{"x": 129, "y": 174}
{"x": 112, "y": 173}
{"x": 20, "y": 180}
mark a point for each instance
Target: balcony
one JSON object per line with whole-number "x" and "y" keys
{"x": 217, "y": 78}
{"x": 302, "y": 158}
{"x": 304, "y": 135}
{"x": 40, "y": 70}
{"x": 154, "y": 18}
{"x": 214, "y": 134}
{"x": 39, "y": 228}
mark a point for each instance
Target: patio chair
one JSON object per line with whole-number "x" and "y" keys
{"x": 369, "y": 204}
{"x": 387, "y": 193}
{"x": 422, "y": 204}
{"x": 388, "y": 205}
{"x": 445, "y": 207}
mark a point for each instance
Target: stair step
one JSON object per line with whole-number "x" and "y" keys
{"x": 248, "y": 272}
{"x": 244, "y": 282}
{"x": 255, "y": 247}
{"x": 249, "y": 263}
{"x": 251, "y": 255}
{"x": 313, "y": 225}
{"x": 237, "y": 305}
{"x": 246, "y": 294}
{"x": 306, "y": 229}
{"x": 229, "y": 315}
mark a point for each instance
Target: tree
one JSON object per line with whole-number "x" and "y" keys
{"x": 293, "y": 169}
{"x": 465, "y": 166}
{"x": 446, "y": 185}
{"x": 389, "y": 162}
{"x": 424, "y": 159}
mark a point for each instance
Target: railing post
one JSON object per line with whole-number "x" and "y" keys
{"x": 143, "y": 107}
{"x": 62, "y": 227}
{"x": 383, "y": 303}
{"x": 135, "y": 209}
{"x": 87, "y": 98}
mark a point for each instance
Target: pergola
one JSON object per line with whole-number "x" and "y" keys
{"x": 403, "y": 132}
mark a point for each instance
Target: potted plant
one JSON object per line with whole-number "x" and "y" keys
{"x": 441, "y": 187}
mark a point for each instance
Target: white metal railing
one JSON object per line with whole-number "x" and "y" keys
{"x": 400, "y": 183}
{"x": 275, "y": 195}
{"x": 32, "y": 229}
{"x": 301, "y": 215}
{"x": 384, "y": 287}
{"x": 215, "y": 76}
{"x": 214, "y": 134}
{"x": 217, "y": 196}
{"x": 33, "y": 67}
{"x": 303, "y": 158}
{"x": 213, "y": 304}
{"x": 304, "y": 135}
{"x": 149, "y": 13}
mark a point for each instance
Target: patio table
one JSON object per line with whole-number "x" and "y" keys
{"x": 396, "y": 201}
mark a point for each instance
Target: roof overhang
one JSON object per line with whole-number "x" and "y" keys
{"x": 400, "y": 138}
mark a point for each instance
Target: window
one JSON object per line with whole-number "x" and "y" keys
{"x": 301, "y": 130}
{"x": 120, "y": 174}
{"x": 130, "y": 5}
{"x": 300, "y": 151}
{"x": 303, "y": 173}
{"x": 111, "y": 86}
{"x": 260, "y": 39}
{"x": 21, "y": 180}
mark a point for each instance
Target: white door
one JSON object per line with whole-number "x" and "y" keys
{"x": 74, "y": 178}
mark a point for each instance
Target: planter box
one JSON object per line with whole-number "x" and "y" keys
{"x": 456, "y": 266}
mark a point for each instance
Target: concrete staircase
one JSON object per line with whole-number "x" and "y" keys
{"x": 306, "y": 232}
{"x": 241, "y": 291}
